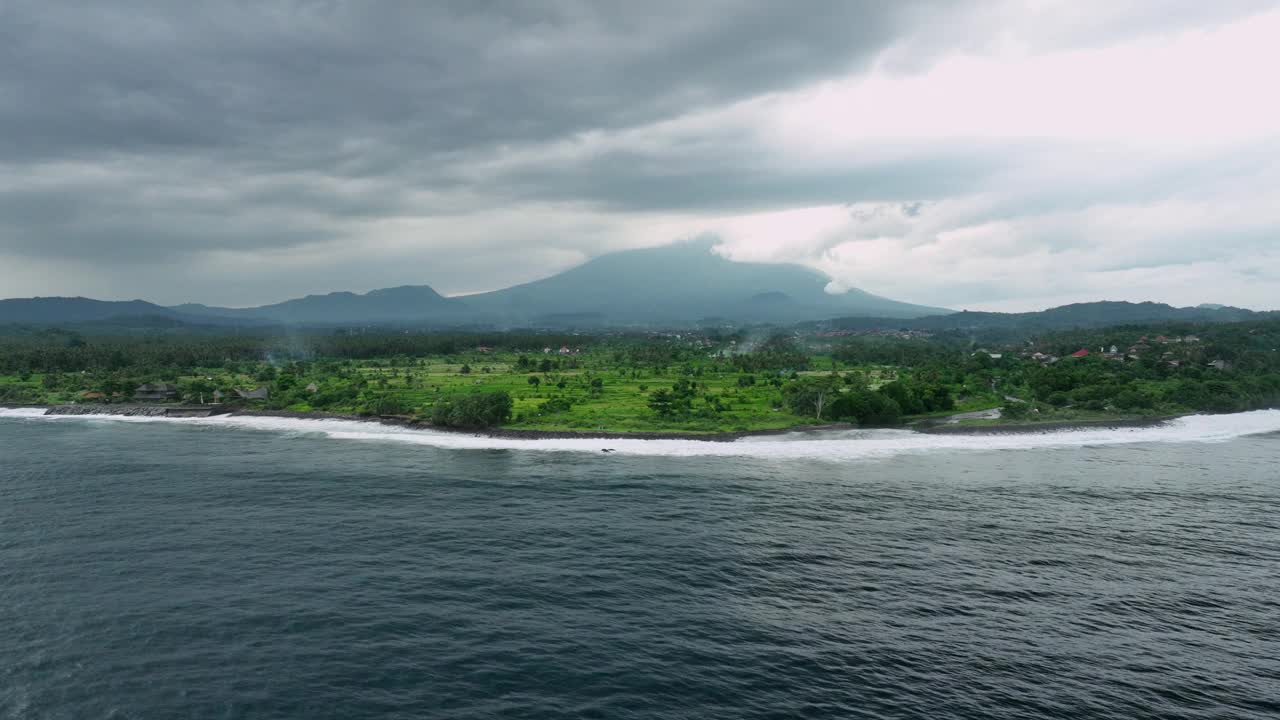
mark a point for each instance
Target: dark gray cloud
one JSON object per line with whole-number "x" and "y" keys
{"x": 732, "y": 176}
{"x": 291, "y": 82}
{"x": 348, "y": 145}
{"x": 278, "y": 116}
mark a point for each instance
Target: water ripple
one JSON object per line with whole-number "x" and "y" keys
{"x": 177, "y": 570}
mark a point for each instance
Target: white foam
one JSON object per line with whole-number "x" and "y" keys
{"x": 21, "y": 412}
{"x": 832, "y": 445}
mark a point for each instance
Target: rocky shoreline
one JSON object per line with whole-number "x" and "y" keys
{"x": 122, "y": 411}
{"x": 932, "y": 427}
{"x": 408, "y": 422}
{"x": 1044, "y": 427}
{"x": 522, "y": 434}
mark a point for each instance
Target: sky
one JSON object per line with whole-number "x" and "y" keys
{"x": 971, "y": 154}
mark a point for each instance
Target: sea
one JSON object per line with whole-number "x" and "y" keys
{"x": 287, "y": 568}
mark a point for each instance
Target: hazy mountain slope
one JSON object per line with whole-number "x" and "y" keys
{"x": 685, "y": 283}
{"x": 1078, "y": 315}
{"x": 671, "y": 285}
{"x": 409, "y": 303}
{"x": 43, "y": 310}
{"x": 675, "y": 284}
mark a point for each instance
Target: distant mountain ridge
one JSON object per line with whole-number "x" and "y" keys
{"x": 684, "y": 283}
{"x": 1105, "y": 313}
{"x": 406, "y": 303}
{"x": 55, "y": 310}
{"x": 675, "y": 285}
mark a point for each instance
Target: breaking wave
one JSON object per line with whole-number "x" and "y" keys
{"x": 824, "y": 445}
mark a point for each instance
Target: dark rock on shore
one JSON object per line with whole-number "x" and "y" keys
{"x": 138, "y": 410}
{"x": 1043, "y": 427}
{"x": 520, "y": 434}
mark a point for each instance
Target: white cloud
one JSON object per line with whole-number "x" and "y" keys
{"x": 1200, "y": 87}
{"x": 1131, "y": 168}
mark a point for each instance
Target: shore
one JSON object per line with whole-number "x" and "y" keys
{"x": 189, "y": 411}
{"x": 1043, "y": 427}
{"x": 526, "y": 434}
{"x": 935, "y": 426}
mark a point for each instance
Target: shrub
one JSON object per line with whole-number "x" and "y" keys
{"x": 1134, "y": 399}
{"x": 480, "y": 410}
{"x": 556, "y": 405}
{"x": 866, "y": 408}
{"x": 385, "y": 404}
{"x": 1015, "y": 411}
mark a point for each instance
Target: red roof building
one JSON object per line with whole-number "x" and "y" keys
{"x": 1080, "y": 353}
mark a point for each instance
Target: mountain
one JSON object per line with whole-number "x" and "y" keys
{"x": 676, "y": 285}
{"x": 405, "y": 304}
{"x": 682, "y": 284}
{"x": 679, "y": 284}
{"x": 1066, "y": 317}
{"x": 51, "y": 310}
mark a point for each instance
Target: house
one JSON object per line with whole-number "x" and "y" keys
{"x": 1220, "y": 365}
{"x": 313, "y": 388}
{"x": 1082, "y": 352}
{"x": 95, "y": 396}
{"x": 484, "y": 349}
{"x": 155, "y": 392}
{"x": 565, "y": 351}
{"x": 256, "y": 394}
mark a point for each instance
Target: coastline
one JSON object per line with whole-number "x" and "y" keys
{"x": 1045, "y": 427}
{"x": 188, "y": 411}
{"x": 526, "y": 434}
{"x": 930, "y": 427}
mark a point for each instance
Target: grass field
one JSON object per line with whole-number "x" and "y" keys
{"x": 620, "y": 403}
{"x": 595, "y": 395}
{"x": 590, "y": 391}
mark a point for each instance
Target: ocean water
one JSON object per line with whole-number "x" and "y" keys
{"x": 267, "y": 568}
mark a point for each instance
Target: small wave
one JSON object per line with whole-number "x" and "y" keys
{"x": 21, "y": 412}
{"x": 826, "y": 445}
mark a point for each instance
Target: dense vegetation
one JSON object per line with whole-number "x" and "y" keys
{"x": 700, "y": 382}
{"x": 1010, "y": 327}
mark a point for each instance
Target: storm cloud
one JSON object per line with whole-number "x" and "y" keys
{"x": 239, "y": 153}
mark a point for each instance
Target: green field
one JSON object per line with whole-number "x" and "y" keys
{"x": 688, "y": 383}
{"x": 619, "y": 403}
{"x": 588, "y": 392}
